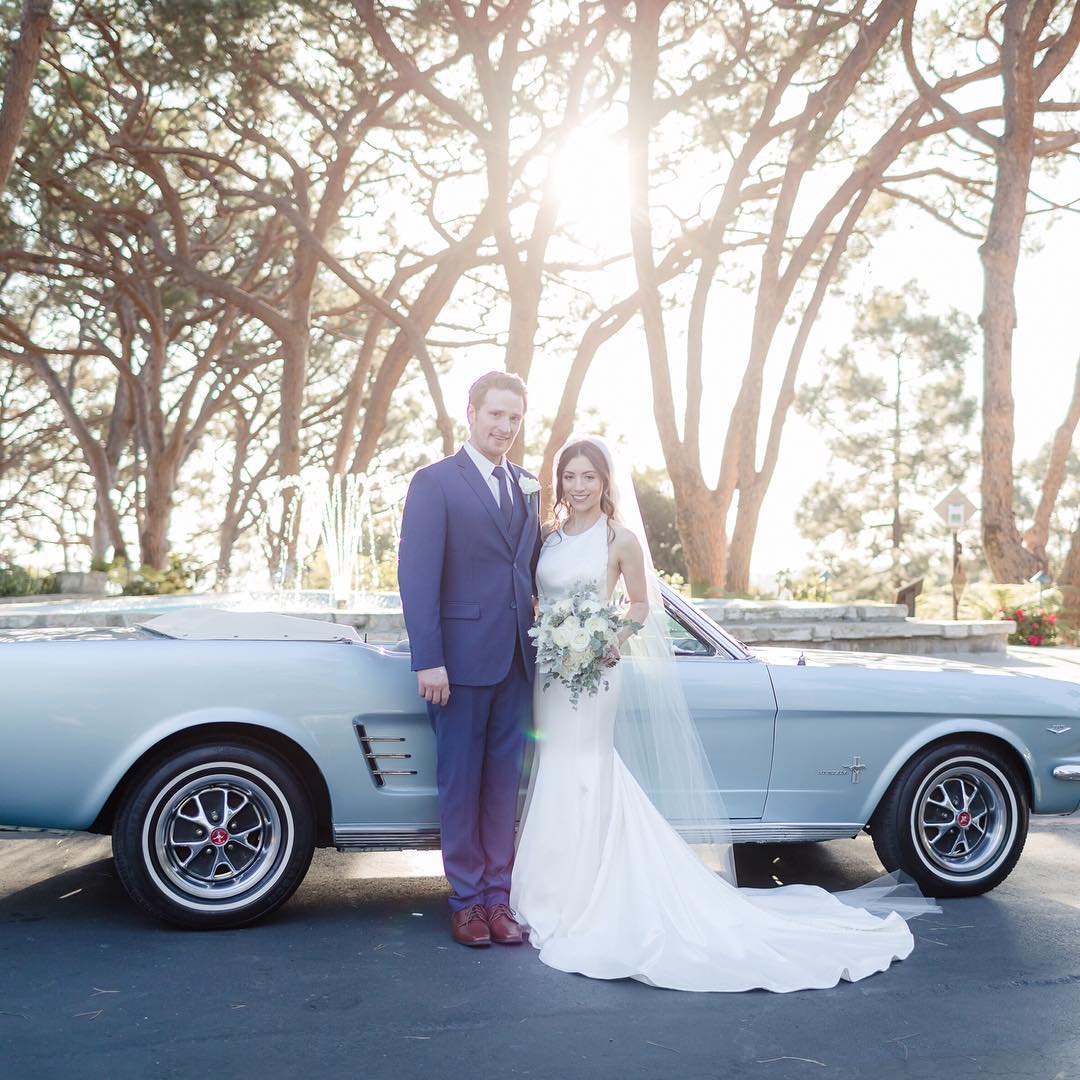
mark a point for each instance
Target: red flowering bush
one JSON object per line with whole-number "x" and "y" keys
{"x": 1035, "y": 626}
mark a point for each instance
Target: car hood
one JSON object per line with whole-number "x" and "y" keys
{"x": 925, "y": 683}
{"x": 776, "y": 656}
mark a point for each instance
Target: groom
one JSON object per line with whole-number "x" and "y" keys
{"x": 470, "y": 538}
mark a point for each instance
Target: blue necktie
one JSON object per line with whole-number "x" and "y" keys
{"x": 505, "y": 505}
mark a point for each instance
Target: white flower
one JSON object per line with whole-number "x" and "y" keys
{"x": 562, "y": 608}
{"x": 580, "y": 640}
{"x": 562, "y": 636}
{"x": 591, "y": 606}
{"x": 597, "y": 625}
{"x": 528, "y": 485}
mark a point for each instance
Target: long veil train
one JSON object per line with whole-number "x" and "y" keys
{"x": 602, "y": 878}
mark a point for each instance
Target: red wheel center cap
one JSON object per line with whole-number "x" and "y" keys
{"x": 219, "y": 837}
{"x": 963, "y": 819}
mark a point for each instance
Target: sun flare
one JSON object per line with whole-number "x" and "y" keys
{"x": 591, "y": 187}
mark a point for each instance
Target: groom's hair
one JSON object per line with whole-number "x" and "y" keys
{"x": 497, "y": 380}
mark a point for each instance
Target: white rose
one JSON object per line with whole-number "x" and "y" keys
{"x": 563, "y": 607}
{"x": 590, "y": 606}
{"x": 562, "y": 636}
{"x": 528, "y": 485}
{"x": 580, "y": 640}
{"x": 596, "y": 625}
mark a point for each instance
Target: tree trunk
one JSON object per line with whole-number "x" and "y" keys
{"x": 20, "y": 80}
{"x": 1069, "y": 583}
{"x": 93, "y": 452}
{"x": 737, "y": 579}
{"x": 432, "y": 299}
{"x": 296, "y": 347}
{"x": 154, "y": 526}
{"x": 521, "y": 340}
{"x": 100, "y": 540}
{"x": 603, "y": 327}
{"x": 1000, "y": 253}
{"x": 229, "y": 534}
{"x": 703, "y": 530}
{"x": 1036, "y": 537}
{"x": 234, "y": 506}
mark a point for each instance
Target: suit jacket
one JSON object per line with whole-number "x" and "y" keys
{"x": 466, "y": 582}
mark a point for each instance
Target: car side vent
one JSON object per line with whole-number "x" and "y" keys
{"x": 375, "y": 757}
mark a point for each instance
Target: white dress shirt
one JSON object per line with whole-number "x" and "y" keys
{"x": 487, "y": 467}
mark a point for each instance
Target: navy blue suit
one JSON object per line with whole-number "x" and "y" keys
{"x": 466, "y": 582}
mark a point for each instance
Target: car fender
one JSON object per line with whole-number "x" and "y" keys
{"x": 959, "y": 727}
{"x": 121, "y": 765}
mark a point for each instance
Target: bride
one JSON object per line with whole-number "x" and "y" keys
{"x": 603, "y": 881}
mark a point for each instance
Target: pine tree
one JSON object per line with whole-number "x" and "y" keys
{"x": 898, "y": 426}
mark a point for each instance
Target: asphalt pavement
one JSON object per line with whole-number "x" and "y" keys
{"x": 357, "y": 977}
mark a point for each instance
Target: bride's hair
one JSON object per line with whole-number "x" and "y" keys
{"x": 598, "y": 459}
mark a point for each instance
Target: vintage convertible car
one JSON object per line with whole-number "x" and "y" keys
{"x": 219, "y": 749}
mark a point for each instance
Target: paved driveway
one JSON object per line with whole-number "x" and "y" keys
{"x": 357, "y": 977}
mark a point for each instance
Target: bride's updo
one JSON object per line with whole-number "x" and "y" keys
{"x": 598, "y": 459}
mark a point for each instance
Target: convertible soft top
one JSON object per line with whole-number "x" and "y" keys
{"x": 213, "y": 624}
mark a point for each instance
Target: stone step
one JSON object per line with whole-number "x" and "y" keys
{"x": 909, "y": 628}
{"x": 920, "y": 636}
{"x": 792, "y": 611}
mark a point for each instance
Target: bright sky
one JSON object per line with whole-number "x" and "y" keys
{"x": 594, "y": 201}
{"x": 945, "y": 265}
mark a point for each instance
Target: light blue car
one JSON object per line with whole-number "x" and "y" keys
{"x": 220, "y": 749}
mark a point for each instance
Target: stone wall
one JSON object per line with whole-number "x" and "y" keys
{"x": 862, "y": 626}
{"x": 867, "y": 627}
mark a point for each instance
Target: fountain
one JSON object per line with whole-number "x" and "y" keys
{"x": 335, "y": 512}
{"x": 343, "y": 511}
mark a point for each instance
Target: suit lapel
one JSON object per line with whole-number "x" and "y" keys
{"x": 532, "y": 517}
{"x": 483, "y": 493}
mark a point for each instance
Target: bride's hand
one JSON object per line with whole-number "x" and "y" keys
{"x": 612, "y": 657}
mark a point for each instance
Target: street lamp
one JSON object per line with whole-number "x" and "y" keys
{"x": 956, "y": 510}
{"x": 1042, "y": 579}
{"x": 825, "y": 577}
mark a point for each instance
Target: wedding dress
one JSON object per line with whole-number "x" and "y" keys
{"x": 606, "y": 886}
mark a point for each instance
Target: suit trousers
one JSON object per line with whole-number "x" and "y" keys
{"x": 480, "y": 741}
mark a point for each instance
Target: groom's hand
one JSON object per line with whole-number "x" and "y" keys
{"x": 434, "y": 685}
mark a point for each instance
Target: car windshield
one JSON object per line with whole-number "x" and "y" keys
{"x": 682, "y": 639}
{"x": 684, "y": 612}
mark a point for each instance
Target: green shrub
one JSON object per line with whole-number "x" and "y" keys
{"x": 801, "y": 586}
{"x": 20, "y": 581}
{"x": 182, "y": 576}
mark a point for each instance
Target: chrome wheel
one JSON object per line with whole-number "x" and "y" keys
{"x": 955, "y": 817}
{"x": 217, "y": 836}
{"x": 963, "y": 819}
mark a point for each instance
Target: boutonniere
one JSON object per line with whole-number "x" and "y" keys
{"x": 528, "y": 485}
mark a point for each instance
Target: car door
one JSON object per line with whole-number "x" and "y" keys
{"x": 731, "y": 700}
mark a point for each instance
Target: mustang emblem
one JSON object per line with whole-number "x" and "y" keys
{"x": 1059, "y": 729}
{"x": 855, "y": 769}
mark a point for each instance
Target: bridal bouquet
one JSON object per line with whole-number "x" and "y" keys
{"x": 573, "y": 635}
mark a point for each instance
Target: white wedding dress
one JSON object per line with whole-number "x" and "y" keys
{"x": 607, "y": 888}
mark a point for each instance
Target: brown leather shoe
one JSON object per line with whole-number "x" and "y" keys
{"x": 505, "y": 929}
{"x": 470, "y": 926}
